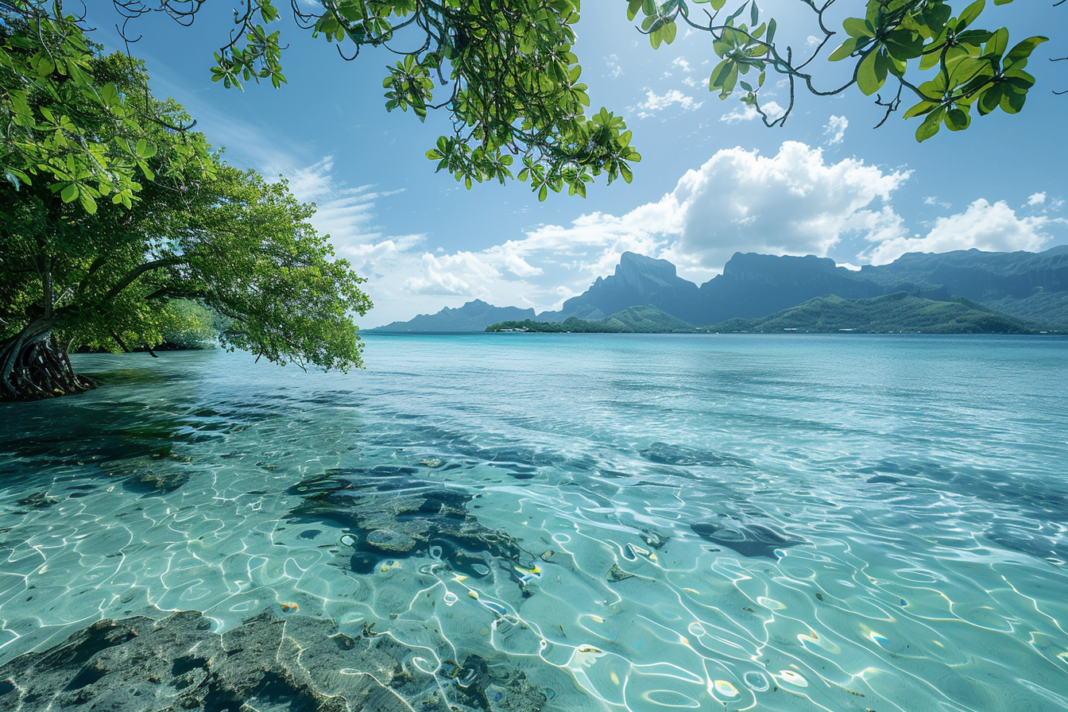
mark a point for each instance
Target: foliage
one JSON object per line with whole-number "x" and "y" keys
{"x": 188, "y": 324}
{"x": 892, "y": 313}
{"x": 66, "y": 122}
{"x": 968, "y": 68}
{"x": 635, "y": 320}
{"x": 237, "y": 244}
{"x": 509, "y": 79}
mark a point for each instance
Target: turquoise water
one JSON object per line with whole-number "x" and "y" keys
{"x": 636, "y": 522}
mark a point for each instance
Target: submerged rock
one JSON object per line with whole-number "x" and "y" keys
{"x": 179, "y": 663}
{"x": 392, "y": 512}
{"x": 494, "y": 688}
{"x": 616, "y": 574}
{"x": 299, "y": 664}
{"x": 389, "y": 540}
{"x": 37, "y": 500}
{"x": 158, "y": 482}
{"x": 665, "y": 454}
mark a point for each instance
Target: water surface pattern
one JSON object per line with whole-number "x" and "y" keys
{"x": 635, "y": 522}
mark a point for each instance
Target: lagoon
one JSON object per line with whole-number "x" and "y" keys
{"x": 575, "y": 522}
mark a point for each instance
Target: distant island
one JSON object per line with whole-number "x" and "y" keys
{"x": 890, "y": 314}
{"x": 966, "y": 291}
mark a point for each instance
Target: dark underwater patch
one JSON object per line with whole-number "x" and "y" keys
{"x": 750, "y": 540}
{"x": 391, "y": 513}
{"x": 665, "y": 454}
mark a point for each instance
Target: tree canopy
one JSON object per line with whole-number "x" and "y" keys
{"x": 506, "y": 74}
{"x": 504, "y": 70}
{"x": 896, "y": 41}
{"x": 79, "y": 271}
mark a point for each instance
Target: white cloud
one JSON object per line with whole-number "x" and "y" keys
{"x": 681, "y": 63}
{"x": 690, "y": 81}
{"x": 745, "y": 112}
{"x": 992, "y": 227}
{"x": 933, "y": 200}
{"x": 1036, "y": 199}
{"x": 791, "y": 203}
{"x": 614, "y": 70}
{"x": 836, "y": 128}
{"x": 812, "y": 41}
{"x": 658, "y": 102}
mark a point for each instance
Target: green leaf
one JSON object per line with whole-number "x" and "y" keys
{"x": 924, "y": 107}
{"x": 904, "y": 44}
{"x": 970, "y": 13}
{"x": 1012, "y": 102}
{"x": 844, "y": 50}
{"x": 930, "y": 125}
{"x": 989, "y": 99}
{"x": 957, "y": 119}
{"x": 1023, "y": 50}
{"x": 88, "y": 204}
{"x": 995, "y": 46}
{"x": 858, "y": 28}
{"x": 69, "y": 194}
{"x": 871, "y": 74}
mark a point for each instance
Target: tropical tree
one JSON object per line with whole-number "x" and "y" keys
{"x": 927, "y": 53}
{"x": 102, "y": 233}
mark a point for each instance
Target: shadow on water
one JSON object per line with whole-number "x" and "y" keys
{"x": 1040, "y": 505}
{"x": 137, "y": 428}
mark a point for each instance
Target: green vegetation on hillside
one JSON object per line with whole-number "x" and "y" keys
{"x": 636, "y": 320}
{"x": 892, "y": 313}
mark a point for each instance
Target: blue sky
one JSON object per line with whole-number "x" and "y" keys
{"x": 712, "y": 181}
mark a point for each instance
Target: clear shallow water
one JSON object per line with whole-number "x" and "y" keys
{"x": 844, "y": 523}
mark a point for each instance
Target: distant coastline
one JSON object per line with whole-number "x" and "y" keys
{"x": 967, "y": 291}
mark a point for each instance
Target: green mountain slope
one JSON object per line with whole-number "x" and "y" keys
{"x": 892, "y": 313}
{"x": 635, "y": 320}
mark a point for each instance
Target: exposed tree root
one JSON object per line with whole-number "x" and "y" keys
{"x": 33, "y": 366}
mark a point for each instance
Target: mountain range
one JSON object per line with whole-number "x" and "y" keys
{"x": 1026, "y": 286}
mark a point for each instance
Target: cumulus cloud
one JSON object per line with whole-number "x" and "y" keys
{"x": 658, "y": 102}
{"x": 993, "y": 227}
{"x": 835, "y": 128}
{"x": 1036, "y": 199}
{"x": 744, "y": 112}
{"x": 791, "y": 203}
{"x": 933, "y": 200}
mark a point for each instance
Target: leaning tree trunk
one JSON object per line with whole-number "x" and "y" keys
{"x": 33, "y": 366}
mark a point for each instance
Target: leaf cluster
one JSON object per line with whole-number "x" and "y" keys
{"x": 77, "y": 123}
{"x": 503, "y": 70}
{"x": 972, "y": 68}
